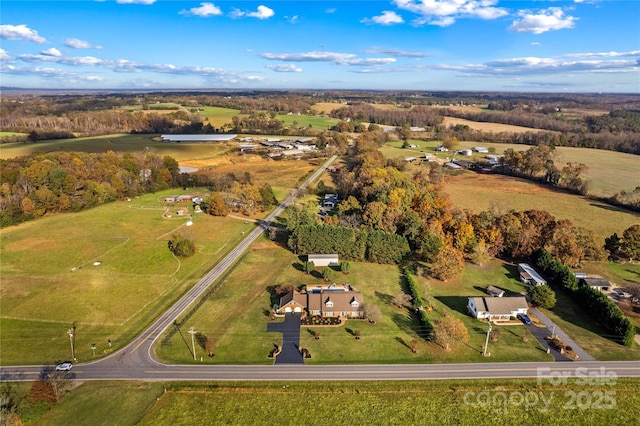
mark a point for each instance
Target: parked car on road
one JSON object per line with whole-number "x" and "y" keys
{"x": 64, "y": 366}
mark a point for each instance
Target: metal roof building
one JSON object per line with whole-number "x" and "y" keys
{"x": 197, "y": 138}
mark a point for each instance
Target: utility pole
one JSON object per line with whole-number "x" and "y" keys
{"x": 192, "y": 332}
{"x": 486, "y": 344}
{"x": 70, "y": 333}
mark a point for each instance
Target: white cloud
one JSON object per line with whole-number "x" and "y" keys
{"x": 531, "y": 66}
{"x": 20, "y": 32}
{"x": 136, "y": 1}
{"x": 445, "y": 12}
{"x": 602, "y": 54}
{"x": 4, "y": 56}
{"x": 205, "y": 9}
{"x": 388, "y": 17}
{"x": 92, "y": 78}
{"x": 285, "y": 68}
{"x": 331, "y": 10}
{"x": 293, "y": 19}
{"x": 51, "y": 52}
{"x": 547, "y": 20}
{"x": 263, "y": 12}
{"x": 333, "y": 57}
{"x": 80, "y": 44}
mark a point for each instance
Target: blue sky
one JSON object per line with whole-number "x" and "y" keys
{"x": 532, "y": 46}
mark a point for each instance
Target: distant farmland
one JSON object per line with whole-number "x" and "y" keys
{"x": 478, "y": 192}
{"x": 489, "y": 127}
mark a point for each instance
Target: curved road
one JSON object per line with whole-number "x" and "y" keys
{"x": 136, "y": 362}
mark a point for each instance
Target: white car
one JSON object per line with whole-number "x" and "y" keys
{"x": 64, "y": 366}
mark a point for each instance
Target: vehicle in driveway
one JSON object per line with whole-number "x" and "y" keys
{"x": 64, "y": 366}
{"x": 524, "y": 318}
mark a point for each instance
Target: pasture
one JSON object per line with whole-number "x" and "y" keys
{"x": 609, "y": 172}
{"x": 49, "y": 280}
{"x": 478, "y": 192}
{"x": 446, "y": 402}
{"x": 488, "y": 127}
{"x": 119, "y": 143}
{"x": 236, "y": 317}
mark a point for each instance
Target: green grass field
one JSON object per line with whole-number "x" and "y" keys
{"x": 478, "y": 192}
{"x": 119, "y": 143}
{"x": 49, "y": 279}
{"x": 609, "y": 172}
{"x": 457, "y": 402}
{"x": 236, "y": 318}
{"x": 312, "y": 121}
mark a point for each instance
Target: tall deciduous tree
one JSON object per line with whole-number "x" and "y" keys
{"x": 449, "y": 329}
{"x": 214, "y": 205}
{"x": 449, "y": 263}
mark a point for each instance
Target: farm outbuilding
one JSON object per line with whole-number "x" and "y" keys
{"x": 197, "y": 138}
{"x": 528, "y": 275}
{"x": 324, "y": 259}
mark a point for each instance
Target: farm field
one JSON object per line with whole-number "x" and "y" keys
{"x": 442, "y": 402}
{"x": 218, "y": 116}
{"x": 489, "y": 127}
{"x": 119, "y": 143}
{"x": 236, "y": 317}
{"x": 309, "y": 121}
{"x": 49, "y": 280}
{"x": 478, "y": 192}
{"x": 609, "y": 172}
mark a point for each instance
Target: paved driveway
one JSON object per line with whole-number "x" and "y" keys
{"x": 540, "y": 333}
{"x": 290, "y": 330}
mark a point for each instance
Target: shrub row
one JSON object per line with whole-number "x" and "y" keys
{"x": 417, "y": 305}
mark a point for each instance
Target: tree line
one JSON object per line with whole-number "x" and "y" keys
{"x": 35, "y": 185}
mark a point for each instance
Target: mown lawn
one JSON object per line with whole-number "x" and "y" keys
{"x": 236, "y": 318}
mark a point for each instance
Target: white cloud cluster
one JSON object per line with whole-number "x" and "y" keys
{"x": 20, "y": 32}
{"x": 75, "y": 43}
{"x": 284, "y": 68}
{"x": 560, "y": 65}
{"x": 332, "y": 57}
{"x": 263, "y": 12}
{"x": 546, "y": 20}
{"x": 445, "y": 12}
{"x": 388, "y": 17}
{"x": 118, "y": 65}
{"x": 4, "y": 56}
{"x": 51, "y": 52}
{"x": 205, "y": 9}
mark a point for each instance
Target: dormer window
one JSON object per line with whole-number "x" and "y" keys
{"x": 329, "y": 303}
{"x": 355, "y": 303}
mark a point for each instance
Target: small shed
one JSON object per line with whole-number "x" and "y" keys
{"x": 597, "y": 283}
{"x": 495, "y": 291}
{"x": 324, "y": 259}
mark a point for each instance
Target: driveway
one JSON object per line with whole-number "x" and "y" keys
{"x": 541, "y": 332}
{"x": 290, "y": 329}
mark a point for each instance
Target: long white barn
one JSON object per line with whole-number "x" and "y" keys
{"x": 198, "y": 138}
